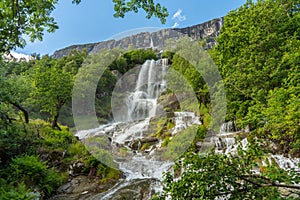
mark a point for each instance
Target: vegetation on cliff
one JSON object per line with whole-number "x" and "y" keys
{"x": 36, "y": 150}
{"x": 257, "y": 54}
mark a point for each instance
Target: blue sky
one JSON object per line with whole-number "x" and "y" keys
{"x": 93, "y": 21}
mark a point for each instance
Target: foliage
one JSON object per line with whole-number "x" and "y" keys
{"x": 53, "y": 86}
{"x": 180, "y": 142}
{"x": 106, "y": 173}
{"x": 8, "y": 191}
{"x": 200, "y": 134}
{"x": 33, "y": 172}
{"x": 210, "y": 176}
{"x": 52, "y": 81}
{"x": 17, "y": 68}
{"x": 22, "y": 146}
{"x": 148, "y": 6}
{"x": 196, "y": 80}
{"x": 282, "y": 115}
{"x": 20, "y": 18}
{"x": 15, "y": 139}
{"x": 257, "y": 53}
{"x": 131, "y": 58}
{"x": 77, "y": 149}
{"x": 56, "y": 138}
{"x": 121, "y": 7}
{"x": 15, "y": 90}
{"x": 168, "y": 54}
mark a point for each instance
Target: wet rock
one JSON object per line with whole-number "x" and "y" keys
{"x": 137, "y": 144}
{"x": 204, "y": 146}
{"x": 66, "y": 188}
{"x": 289, "y": 193}
{"x": 170, "y": 103}
{"x": 138, "y": 189}
{"x": 82, "y": 187}
{"x": 76, "y": 168}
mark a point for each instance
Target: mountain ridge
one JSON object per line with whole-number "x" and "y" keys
{"x": 208, "y": 30}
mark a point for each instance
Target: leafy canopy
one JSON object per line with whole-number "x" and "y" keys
{"x": 31, "y": 18}
{"x": 258, "y": 56}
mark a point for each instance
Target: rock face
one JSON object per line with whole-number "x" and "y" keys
{"x": 82, "y": 187}
{"x": 157, "y": 40}
{"x": 139, "y": 189}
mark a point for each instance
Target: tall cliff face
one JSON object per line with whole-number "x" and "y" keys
{"x": 208, "y": 31}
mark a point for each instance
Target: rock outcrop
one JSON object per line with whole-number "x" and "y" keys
{"x": 157, "y": 40}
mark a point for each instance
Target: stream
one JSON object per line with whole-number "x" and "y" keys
{"x": 132, "y": 146}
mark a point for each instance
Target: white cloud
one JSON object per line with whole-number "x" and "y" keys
{"x": 175, "y": 25}
{"x": 178, "y": 16}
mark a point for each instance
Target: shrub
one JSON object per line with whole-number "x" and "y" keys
{"x": 180, "y": 142}
{"x": 33, "y": 172}
{"x": 20, "y": 192}
{"x": 77, "y": 149}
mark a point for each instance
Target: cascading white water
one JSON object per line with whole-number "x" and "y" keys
{"x": 226, "y": 128}
{"x": 142, "y": 102}
{"x": 225, "y": 142}
{"x": 184, "y": 120}
{"x": 151, "y": 42}
{"x": 141, "y": 105}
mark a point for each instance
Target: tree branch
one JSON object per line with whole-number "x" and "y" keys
{"x": 269, "y": 184}
{"x": 246, "y": 95}
{"x": 26, "y": 115}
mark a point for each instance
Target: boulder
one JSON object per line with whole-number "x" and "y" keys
{"x": 169, "y": 103}
{"x": 137, "y": 144}
{"x": 138, "y": 189}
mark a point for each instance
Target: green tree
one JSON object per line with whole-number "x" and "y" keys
{"x": 130, "y": 59}
{"x": 94, "y": 78}
{"x": 53, "y": 84}
{"x": 257, "y": 53}
{"x": 19, "y": 17}
{"x": 19, "y": 89}
{"x": 33, "y": 17}
{"x": 15, "y": 91}
{"x": 210, "y": 176}
{"x": 121, "y": 7}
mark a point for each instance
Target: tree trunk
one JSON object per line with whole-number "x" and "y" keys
{"x": 26, "y": 115}
{"x": 54, "y": 122}
{"x": 55, "y": 117}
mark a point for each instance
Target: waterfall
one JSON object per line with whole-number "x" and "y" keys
{"x": 227, "y": 127}
{"x": 127, "y": 136}
{"x": 220, "y": 24}
{"x": 151, "y": 42}
{"x": 184, "y": 120}
{"x": 142, "y": 102}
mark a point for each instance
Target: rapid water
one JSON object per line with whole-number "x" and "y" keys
{"x": 142, "y": 102}
{"x": 225, "y": 142}
{"x": 148, "y": 165}
{"x": 126, "y": 136}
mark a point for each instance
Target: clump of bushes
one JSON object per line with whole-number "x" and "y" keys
{"x": 28, "y": 173}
